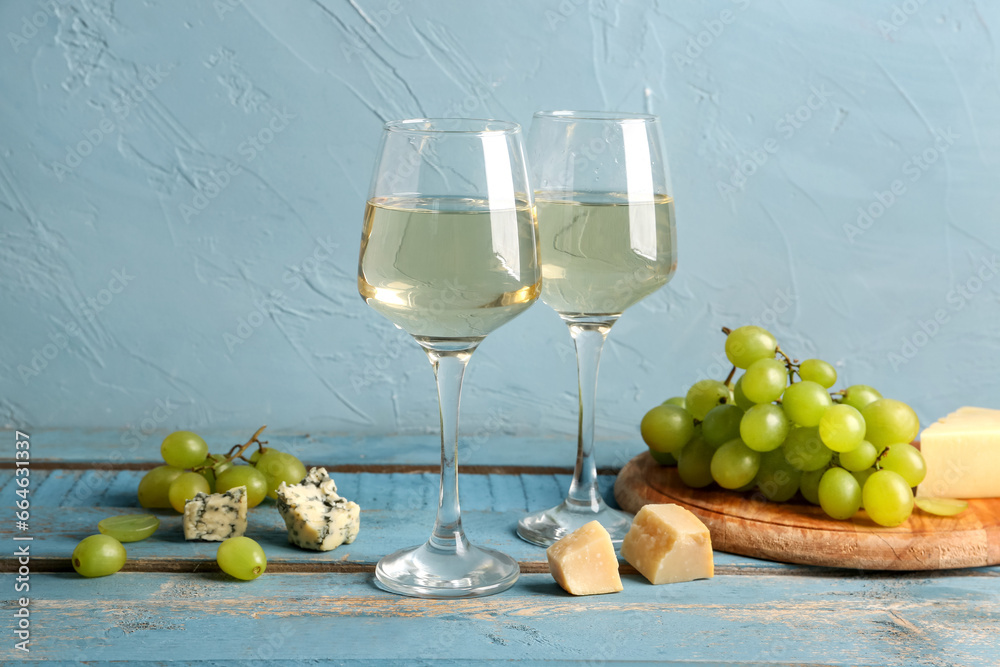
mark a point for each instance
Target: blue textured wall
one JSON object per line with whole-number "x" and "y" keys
{"x": 181, "y": 189}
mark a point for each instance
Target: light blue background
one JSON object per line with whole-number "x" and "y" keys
{"x": 206, "y": 230}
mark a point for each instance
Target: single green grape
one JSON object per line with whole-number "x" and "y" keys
{"x": 185, "y": 487}
{"x": 777, "y": 479}
{"x": 214, "y": 464}
{"x": 906, "y": 460}
{"x": 889, "y": 421}
{"x": 862, "y": 477}
{"x": 809, "y": 485}
{"x": 764, "y": 427}
{"x": 705, "y": 395}
{"x": 734, "y": 465}
{"x": 804, "y": 449}
{"x": 279, "y": 467}
{"x": 859, "y": 395}
{"x": 676, "y": 400}
{"x": 739, "y": 398}
{"x": 941, "y": 506}
{"x": 860, "y": 458}
{"x": 839, "y": 494}
{"x": 248, "y": 476}
{"x": 818, "y": 371}
{"x": 241, "y": 557}
{"x": 887, "y": 498}
{"x": 747, "y": 344}
{"x": 694, "y": 463}
{"x": 805, "y": 402}
{"x": 98, "y": 556}
{"x": 665, "y": 428}
{"x": 663, "y": 458}
{"x": 765, "y": 380}
{"x": 184, "y": 449}
{"x": 722, "y": 424}
{"x": 842, "y": 428}
{"x": 129, "y": 527}
{"x": 154, "y": 486}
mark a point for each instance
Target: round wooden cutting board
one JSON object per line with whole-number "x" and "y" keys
{"x": 750, "y": 525}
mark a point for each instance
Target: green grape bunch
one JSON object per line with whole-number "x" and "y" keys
{"x": 189, "y": 468}
{"x": 781, "y": 429}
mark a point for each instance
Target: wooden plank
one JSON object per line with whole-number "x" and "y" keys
{"x": 397, "y": 511}
{"x": 889, "y": 621}
{"x": 801, "y": 533}
{"x": 99, "y": 448}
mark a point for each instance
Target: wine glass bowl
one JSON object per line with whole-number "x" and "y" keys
{"x": 607, "y": 239}
{"x": 448, "y": 254}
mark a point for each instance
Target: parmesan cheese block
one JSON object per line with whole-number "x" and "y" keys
{"x": 669, "y": 544}
{"x": 962, "y": 452}
{"x": 584, "y": 562}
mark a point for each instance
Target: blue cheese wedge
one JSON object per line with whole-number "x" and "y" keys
{"x": 316, "y": 517}
{"x": 215, "y": 517}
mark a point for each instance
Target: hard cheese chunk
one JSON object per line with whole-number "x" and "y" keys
{"x": 668, "y": 544}
{"x": 217, "y": 516}
{"x": 316, "y": 517}
{"x": 962, "y": 452}
{"x": 584, "y": 562}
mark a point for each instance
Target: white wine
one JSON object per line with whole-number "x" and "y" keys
{"x": 603, "y": 254}
{"x": 448, "y": 268}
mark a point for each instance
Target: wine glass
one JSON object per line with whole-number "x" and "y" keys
{"x": 448, "y": 254}
{"x": 607, "y": 239}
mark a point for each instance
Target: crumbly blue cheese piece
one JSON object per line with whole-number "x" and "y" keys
{"x": 317, "y": 518}
{"x": 216, "y": 516}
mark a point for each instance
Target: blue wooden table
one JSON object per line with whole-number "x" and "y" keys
{"x": 171, "y": 605}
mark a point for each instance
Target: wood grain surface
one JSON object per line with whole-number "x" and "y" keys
{"x": 750, "y": 525}
{"x": 171, "y": 606}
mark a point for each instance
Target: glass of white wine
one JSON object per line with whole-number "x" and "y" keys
{"x": 448, "y": 254}
{"x": 607, "y": 239}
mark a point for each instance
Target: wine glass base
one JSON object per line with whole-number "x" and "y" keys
{"x": 427, "y": 572}
{"x": 549, "y": 526}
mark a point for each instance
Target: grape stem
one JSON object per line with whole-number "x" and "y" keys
{"x": 789, "y": 363}
{"x": 236, "y": 451}
{"x": 729, "y": 378}
{"x": 879, "y": 458}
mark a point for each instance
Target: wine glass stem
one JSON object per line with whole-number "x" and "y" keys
{"x": 449, "y": 369}
{"x": 589, "y": 339}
